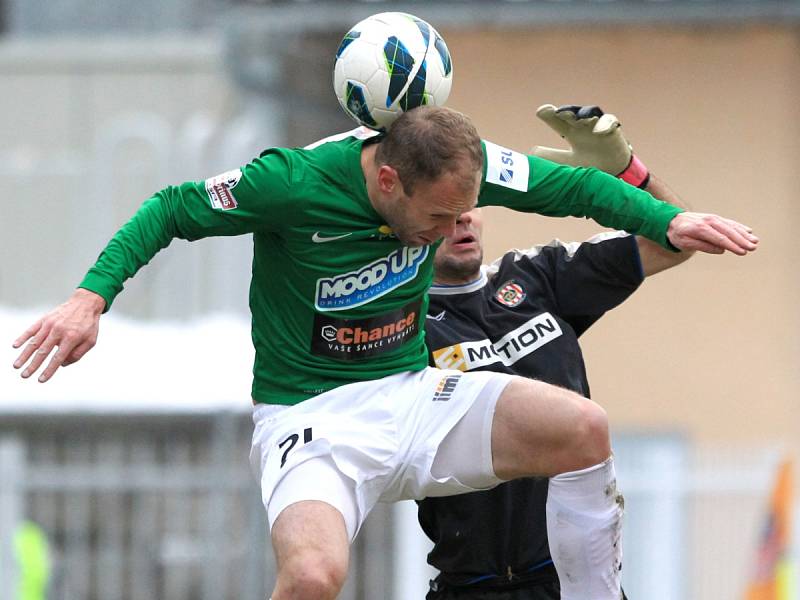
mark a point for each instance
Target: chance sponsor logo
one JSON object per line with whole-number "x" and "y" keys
{"x": 445, "y": 388}
{"x": 370, "y": 281}
{"x": 506, "y": 167}
{"x": 219, "y": 189}
{"x": 353, "y": 339}
{"x": 510, "y": 348}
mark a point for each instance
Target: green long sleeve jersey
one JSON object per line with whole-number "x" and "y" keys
{"x": 335, "y": 297}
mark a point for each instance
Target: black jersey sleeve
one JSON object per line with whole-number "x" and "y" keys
{"x": 587, "y": 279}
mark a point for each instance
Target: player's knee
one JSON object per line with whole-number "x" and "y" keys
{"x": 591, "y": 440}
{"x": 314, "y": 578}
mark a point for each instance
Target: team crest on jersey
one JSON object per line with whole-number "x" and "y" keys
{"x": 384, "y": 233}
{"x": 510, "y": 294}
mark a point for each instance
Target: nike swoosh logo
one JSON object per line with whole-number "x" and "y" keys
{"x": 317, "y": 238}
{"x": 439, "y": 317}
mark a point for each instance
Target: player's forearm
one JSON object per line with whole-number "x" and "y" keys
{"x": 654, "y": 258}
{"x": 661, "y": 191}
{"x": 617, "y": 205}
{"x": 150, "y": 229}
{"x": 560, "y": 191}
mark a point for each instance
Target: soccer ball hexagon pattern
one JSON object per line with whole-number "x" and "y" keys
{"x": 390, "y": 63}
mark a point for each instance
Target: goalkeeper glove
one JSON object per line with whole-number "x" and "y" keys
{"x": 596, "y": 141}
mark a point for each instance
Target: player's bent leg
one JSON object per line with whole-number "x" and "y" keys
{"x": 312, "y": 551}
{"x": 542, "y": 429}
{"x": 539, "y": 429}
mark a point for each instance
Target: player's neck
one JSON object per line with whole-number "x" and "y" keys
{"x": 453, "y": 279}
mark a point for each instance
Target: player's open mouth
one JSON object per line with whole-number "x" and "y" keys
{"x": 464, "y": 240}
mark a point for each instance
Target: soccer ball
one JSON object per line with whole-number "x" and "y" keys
{"x": 390, "y": 63}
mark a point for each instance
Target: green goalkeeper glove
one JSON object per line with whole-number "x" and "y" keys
{"x": 596, "y": 141}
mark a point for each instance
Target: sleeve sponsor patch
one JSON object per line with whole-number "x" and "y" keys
{"x": 506, "y": 167}
{"x": 219, "y": 189}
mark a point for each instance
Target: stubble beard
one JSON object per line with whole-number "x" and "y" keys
{"x": 455, "y": 269}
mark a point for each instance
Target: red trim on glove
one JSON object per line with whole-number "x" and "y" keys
{"x": 636, "y": 173}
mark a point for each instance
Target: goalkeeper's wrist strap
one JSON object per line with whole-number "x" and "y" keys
{"x": 636, "y": 173}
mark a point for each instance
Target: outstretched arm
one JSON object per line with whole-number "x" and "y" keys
{"x": 190, "y": 211}
{"x": 597, "y": 141}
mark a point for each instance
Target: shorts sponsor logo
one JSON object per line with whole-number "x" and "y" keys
{"x": 510, "y": 348}
{"x": 354, "y": 339}
{"x": 506, "y": 167}
{"x": 445, "y": 388}
{"x": 219, "y": 189}
{"x": 371, "y": 281}
{"x": 510, "y": 294}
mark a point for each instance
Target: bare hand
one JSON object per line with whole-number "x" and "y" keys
{"x": 71, "y": 327}
{"x": 710, "y": 233}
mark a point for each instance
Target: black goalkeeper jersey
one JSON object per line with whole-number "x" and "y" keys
{"x": 522, "y": 316}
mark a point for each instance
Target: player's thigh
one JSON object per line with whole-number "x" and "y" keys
{"x": 318, "y": 479}
{"x": 541, "y": 429}
{"x": 308, "y": 535}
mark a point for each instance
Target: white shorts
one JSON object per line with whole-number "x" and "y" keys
{"x": 377, "y": 441}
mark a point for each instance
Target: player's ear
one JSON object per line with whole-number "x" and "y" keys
{"x": 388, "y": 180}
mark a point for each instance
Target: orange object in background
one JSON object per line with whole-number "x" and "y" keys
{"x": 774, "y": 578}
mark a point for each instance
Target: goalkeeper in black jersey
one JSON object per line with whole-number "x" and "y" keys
{"x": 523, "y": 315}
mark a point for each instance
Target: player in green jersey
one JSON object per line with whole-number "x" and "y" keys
{"x": 347, "y": 412}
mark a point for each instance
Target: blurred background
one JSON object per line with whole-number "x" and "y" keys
{"x": 127, "y": 476}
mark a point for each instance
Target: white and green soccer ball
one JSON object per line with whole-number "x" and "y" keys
{"x": 390, "y": 63}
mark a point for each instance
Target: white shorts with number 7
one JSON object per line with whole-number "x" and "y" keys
{"x": 376, "y": 441}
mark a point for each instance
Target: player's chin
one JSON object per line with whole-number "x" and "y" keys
{"x": 466, "y": 253}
